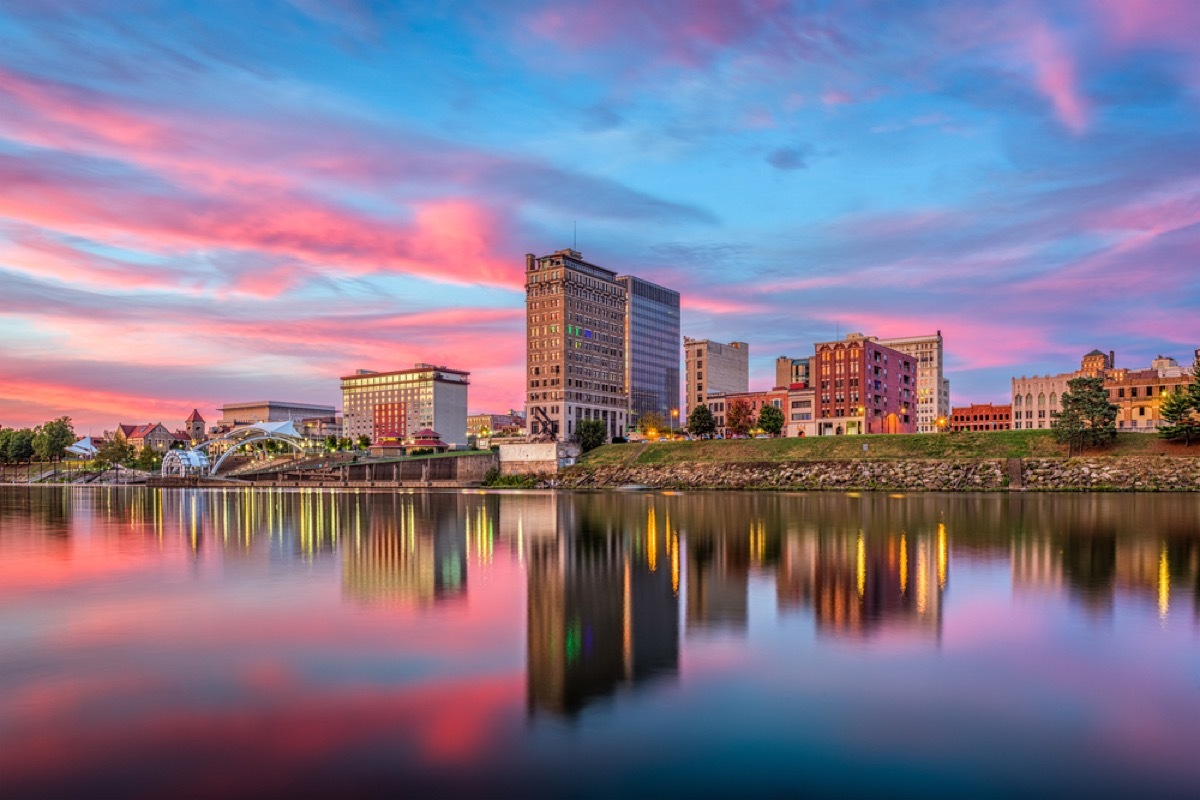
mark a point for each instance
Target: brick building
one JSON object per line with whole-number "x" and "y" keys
{"x": 863, "y": 387}
{"x": 981, "y": 417}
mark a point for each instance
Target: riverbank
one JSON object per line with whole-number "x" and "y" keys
{"x": 991, "y": 461}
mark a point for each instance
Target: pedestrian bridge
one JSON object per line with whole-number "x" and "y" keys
{"x": 198, "y": 462}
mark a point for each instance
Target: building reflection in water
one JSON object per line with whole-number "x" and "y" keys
{"x": 603, "y": 602}
{"x": 414, "y": 550}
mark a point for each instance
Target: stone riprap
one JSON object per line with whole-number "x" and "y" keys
{"x": 961, "y": 475}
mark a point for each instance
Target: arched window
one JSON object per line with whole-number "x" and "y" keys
{"x": 1041, "y": 399}
{"x": 1029, "y": 399}
{"x": 1017, "y": 401}
{"x": 1053, "y": 400}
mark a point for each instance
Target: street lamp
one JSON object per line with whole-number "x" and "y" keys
{"x": 674, "y": 416}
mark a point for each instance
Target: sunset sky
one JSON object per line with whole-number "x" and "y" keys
{"x": 204, "y": 203}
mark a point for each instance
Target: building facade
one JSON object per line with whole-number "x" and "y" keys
{"x": 575, "y": 346}
{"x": 1035, "y": 399}
{"x": 1137, "y": 394}
{"x": 652, "y": 349}
{"x": 720, "y": 403}
{"x": 789, "y": 371}
{"x": 153, "y": 436}
{"x": 800, "y": 414}
{"x": 714, "y": 368}
{"x": 236, "y": 414}
{"x": 493, "y": 424}
{"x": 392, "y": 406}
{"x": 933, "y": 388}
{"x": 863, "y": 387}
{"x": 981, "y": 417}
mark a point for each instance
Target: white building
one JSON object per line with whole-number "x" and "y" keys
{"x": 395, "y": 405}
{"x": 933, "y": 389}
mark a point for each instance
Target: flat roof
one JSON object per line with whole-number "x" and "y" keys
{"x": 276, "y": 403}
{"x": 362, "y": 375}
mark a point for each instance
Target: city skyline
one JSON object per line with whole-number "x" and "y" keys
{"x": 205, "y": 207}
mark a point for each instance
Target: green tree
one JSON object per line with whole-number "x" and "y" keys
{"x": 364, "y": 442}
{"x": 5, "y": 435}
{"x": 1193, "y": 388}
{"x": 331, "y": 443}
{"x": 739, "y": 419}
{"x": 345, "y": 443}
{"x": 591, "y": 433}
{"x": 1178, "y": 411}
{"x": 1086, "y": 416}
{"x": 19, "y": 447}
{"x": 770, "y": 419}
{"x": 701, "y": 421}
{"x": 51, "y": 439}
{"x": 147, "y": 460}
{"x": 116, "y": 450}
{"x": 651, "y": 421}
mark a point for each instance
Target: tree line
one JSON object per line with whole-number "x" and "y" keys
{"x": 47, "y": 442}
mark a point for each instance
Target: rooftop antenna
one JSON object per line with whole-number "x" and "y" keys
{"x": 838, "y": 336}
{"x": 575, "y": 235}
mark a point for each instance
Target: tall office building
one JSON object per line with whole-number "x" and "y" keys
{"x": 933, "y": 389}
{"x": 652, "y": 349}
{"x": 575, "y": 346}
{"x": 713, "y": 368}
{"x": 386, "y": 405}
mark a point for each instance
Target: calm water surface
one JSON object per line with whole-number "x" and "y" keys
{"x": 207, "y": 643}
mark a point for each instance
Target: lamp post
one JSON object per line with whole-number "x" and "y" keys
{"x": 674, "y": 416}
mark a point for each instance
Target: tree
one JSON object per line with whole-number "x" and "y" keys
{"x": 651, "y": 422}
{"x": 1086, "y": 415}
{"x": 1193, "y": 388}
{"x": 1178, "y": 411}
{"x": 345, "y": 443}
{"x": 147, "y": 460}
{"x": 364, "y": 442}
{"x": 770, "y": 419}
{"x": 51, "y": 439}
{"x": 591, "y": 433}
{"x": 116, "y": 450}
{"x": 701, "y": 421}
{"x": 739, "y": 419}
{"x": 5, "y": 435}
{"x": 19, "y": 446}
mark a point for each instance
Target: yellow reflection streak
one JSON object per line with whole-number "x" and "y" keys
{"x": 1164, "y": 584}
{"x": 903, "y": 565}
{"x": 941, "y": 555}
{"x": 922, "y": 576}
{"x": 652, "y": 540}
{"x": 860, "y": 564}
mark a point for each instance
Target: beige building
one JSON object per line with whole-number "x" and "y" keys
{"x": 790, "y": 371}
{"x": 933, "y": 389}
{"x": 575, "y": 346}
{"x": 1036, "y": 399}
{"x": 392, "y": 406}
{"x": 234, "y": 415}
{"x": 152, "y": 435}
{"x": 713, "y": 368}
{"x": 1138, "y": 393}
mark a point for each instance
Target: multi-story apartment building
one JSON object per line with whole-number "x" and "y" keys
{"x": 395, "y": 405}
{"x": 575, "y": 346}
{"x": 863, "y": 387}
{"x": 789, "y": 371}
{"x": 933, "y": 389}
{"x": 1138, "y": 393}
{"x": 651, "y": 349}
{"x": 714, "y": 368}
{"x": 981, "y": 417}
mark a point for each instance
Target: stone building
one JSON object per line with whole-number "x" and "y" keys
{"x": 575, "y": 346}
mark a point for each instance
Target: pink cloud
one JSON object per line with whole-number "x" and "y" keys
{"x": 1055, "y": 75}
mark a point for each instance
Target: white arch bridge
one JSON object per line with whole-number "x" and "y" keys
{"x": 197, "y": 461}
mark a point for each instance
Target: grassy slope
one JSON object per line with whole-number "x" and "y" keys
{"x": 995, "y": 444}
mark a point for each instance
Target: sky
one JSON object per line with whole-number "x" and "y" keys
{"x": 205, "y": 203}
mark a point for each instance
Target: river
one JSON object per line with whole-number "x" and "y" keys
{"x": 175, "y": 643}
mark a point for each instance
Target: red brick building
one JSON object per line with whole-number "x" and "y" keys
{"x": 719, "y": 404}
{"x": 863, "y": 387}
{"x": 981, "y": 417}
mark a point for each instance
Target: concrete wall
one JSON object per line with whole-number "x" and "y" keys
{"x": 538, "y": 458}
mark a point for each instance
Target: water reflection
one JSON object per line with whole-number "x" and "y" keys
{"x": 457, "y": 628}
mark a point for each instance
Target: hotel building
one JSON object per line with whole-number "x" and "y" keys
{"x": 933, "y": 389}
{"x": 575, "y": 346}
{"x": 863, "y": 387}
{"x": 395, "y": 405}
{"x": 651, "y": 349}
{"x": 713, "y": 368}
